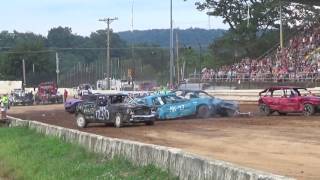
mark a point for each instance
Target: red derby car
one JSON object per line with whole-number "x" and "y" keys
{"x": 288, "y": 100}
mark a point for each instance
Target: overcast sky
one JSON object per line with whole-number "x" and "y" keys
{"x": 82, "y": 16}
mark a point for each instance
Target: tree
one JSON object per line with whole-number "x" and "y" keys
{"x": 264, "y": 14}
{"x": 32, "y": 48}
{"x": 61, "y": 37}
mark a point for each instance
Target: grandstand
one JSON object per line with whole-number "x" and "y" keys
{"x": 297, "y": 62}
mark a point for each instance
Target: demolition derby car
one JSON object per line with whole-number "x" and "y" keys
{"x": 71, "y": 104}
{"x": 84, "y": 89}
{"x": 219, "y": 107}
{"x": 171, "y": 106}
{"x": 48, "y": 94}
{"x": 284, "y": 99}
{"x": 114, "y": 109}
{"x": 21, "y": 97}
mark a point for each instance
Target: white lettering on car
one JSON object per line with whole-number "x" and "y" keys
{"x": 176, "y": 108}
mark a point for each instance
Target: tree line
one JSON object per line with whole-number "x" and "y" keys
{"x": 254, "y": 29}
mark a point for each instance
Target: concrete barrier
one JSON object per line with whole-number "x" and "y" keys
{"x": 184, "y": 165}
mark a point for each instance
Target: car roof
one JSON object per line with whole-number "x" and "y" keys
{"x": 284, "y": 87}
{"x": 274, "y": 88}
{"x": 160, "y": 95}
{"x": 188, "y": 90}
{"x": 110, "y": 94}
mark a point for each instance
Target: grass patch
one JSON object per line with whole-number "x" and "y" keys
{"x": 25, "y": 154}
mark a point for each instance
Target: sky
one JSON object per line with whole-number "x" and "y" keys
{"x": 82, "y": 16}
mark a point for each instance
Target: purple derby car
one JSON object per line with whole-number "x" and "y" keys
{"x": 71, "y": 104}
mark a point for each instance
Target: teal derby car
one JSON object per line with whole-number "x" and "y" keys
{"x": 170, "y": 106}
{"x": 218, "y": 106}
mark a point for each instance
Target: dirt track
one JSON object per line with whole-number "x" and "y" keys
{"x": 285, "y": 145}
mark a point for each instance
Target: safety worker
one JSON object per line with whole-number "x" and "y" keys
{"x": 4, "y": 106}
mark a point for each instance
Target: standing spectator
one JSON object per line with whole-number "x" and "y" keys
{"x": 65, "y": 95}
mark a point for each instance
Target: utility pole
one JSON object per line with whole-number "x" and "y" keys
{"x": 200, "y": 57}
{"x": 108, "y": 21}
{"x": 57, "y": 67}
{"x": 248, "y": 16}
{"x": 281, "y": 30}
{"x": 24, "y": 73}
{"x": 132, "y": 46}
{"x": 171, "y": 45}
{"x": 178, "y": 66}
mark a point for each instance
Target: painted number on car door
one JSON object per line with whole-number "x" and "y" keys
{"x": 102, "y": 113}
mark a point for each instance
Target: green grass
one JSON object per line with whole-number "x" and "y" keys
{"x": 25, "y": 154}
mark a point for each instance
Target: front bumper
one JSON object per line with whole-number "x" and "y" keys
{"x": 142, "y": 118}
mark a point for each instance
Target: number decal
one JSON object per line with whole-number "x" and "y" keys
{"x": 102, "y": 113}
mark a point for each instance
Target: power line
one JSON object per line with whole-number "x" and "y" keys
{"x": 53, "y": 50}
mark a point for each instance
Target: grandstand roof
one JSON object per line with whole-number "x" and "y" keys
{"x": 310, "y": 2}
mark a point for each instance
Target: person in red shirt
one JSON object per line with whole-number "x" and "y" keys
{"x": 65, "y": 95}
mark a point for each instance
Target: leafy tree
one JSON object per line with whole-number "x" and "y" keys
{"x": 61, "y": 37}
{"x": 264, "y": 14}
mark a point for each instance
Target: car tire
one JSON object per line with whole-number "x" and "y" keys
{"x": 265, "y": 110}
{"x": 81, "y": 121}
{"x": 149, "y": 123}
{"x": 118, "y": 121}
{"x": 203, "y": 112}
{"x": 308, "y": 110}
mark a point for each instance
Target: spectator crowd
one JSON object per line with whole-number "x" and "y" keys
{"x": 298, "y": 61}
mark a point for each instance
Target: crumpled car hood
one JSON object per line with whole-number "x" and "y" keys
{"x": 225, "y": 104}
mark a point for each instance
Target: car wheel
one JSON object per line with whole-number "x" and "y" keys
{"x": 203, "y": 112}
{"x": 118, "y": 123}
{"x": 308, "y": 110}
{"x": 150, "y": 123}
{"x": 264, "y": 110}
{"x": 81, "y": 121}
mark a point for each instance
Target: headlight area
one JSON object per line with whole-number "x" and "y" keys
{"x": 130, "y": 112}
{"x": 153, "y": 111}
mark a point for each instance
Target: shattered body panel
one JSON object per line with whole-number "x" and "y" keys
{"x": 183, "y": 106}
